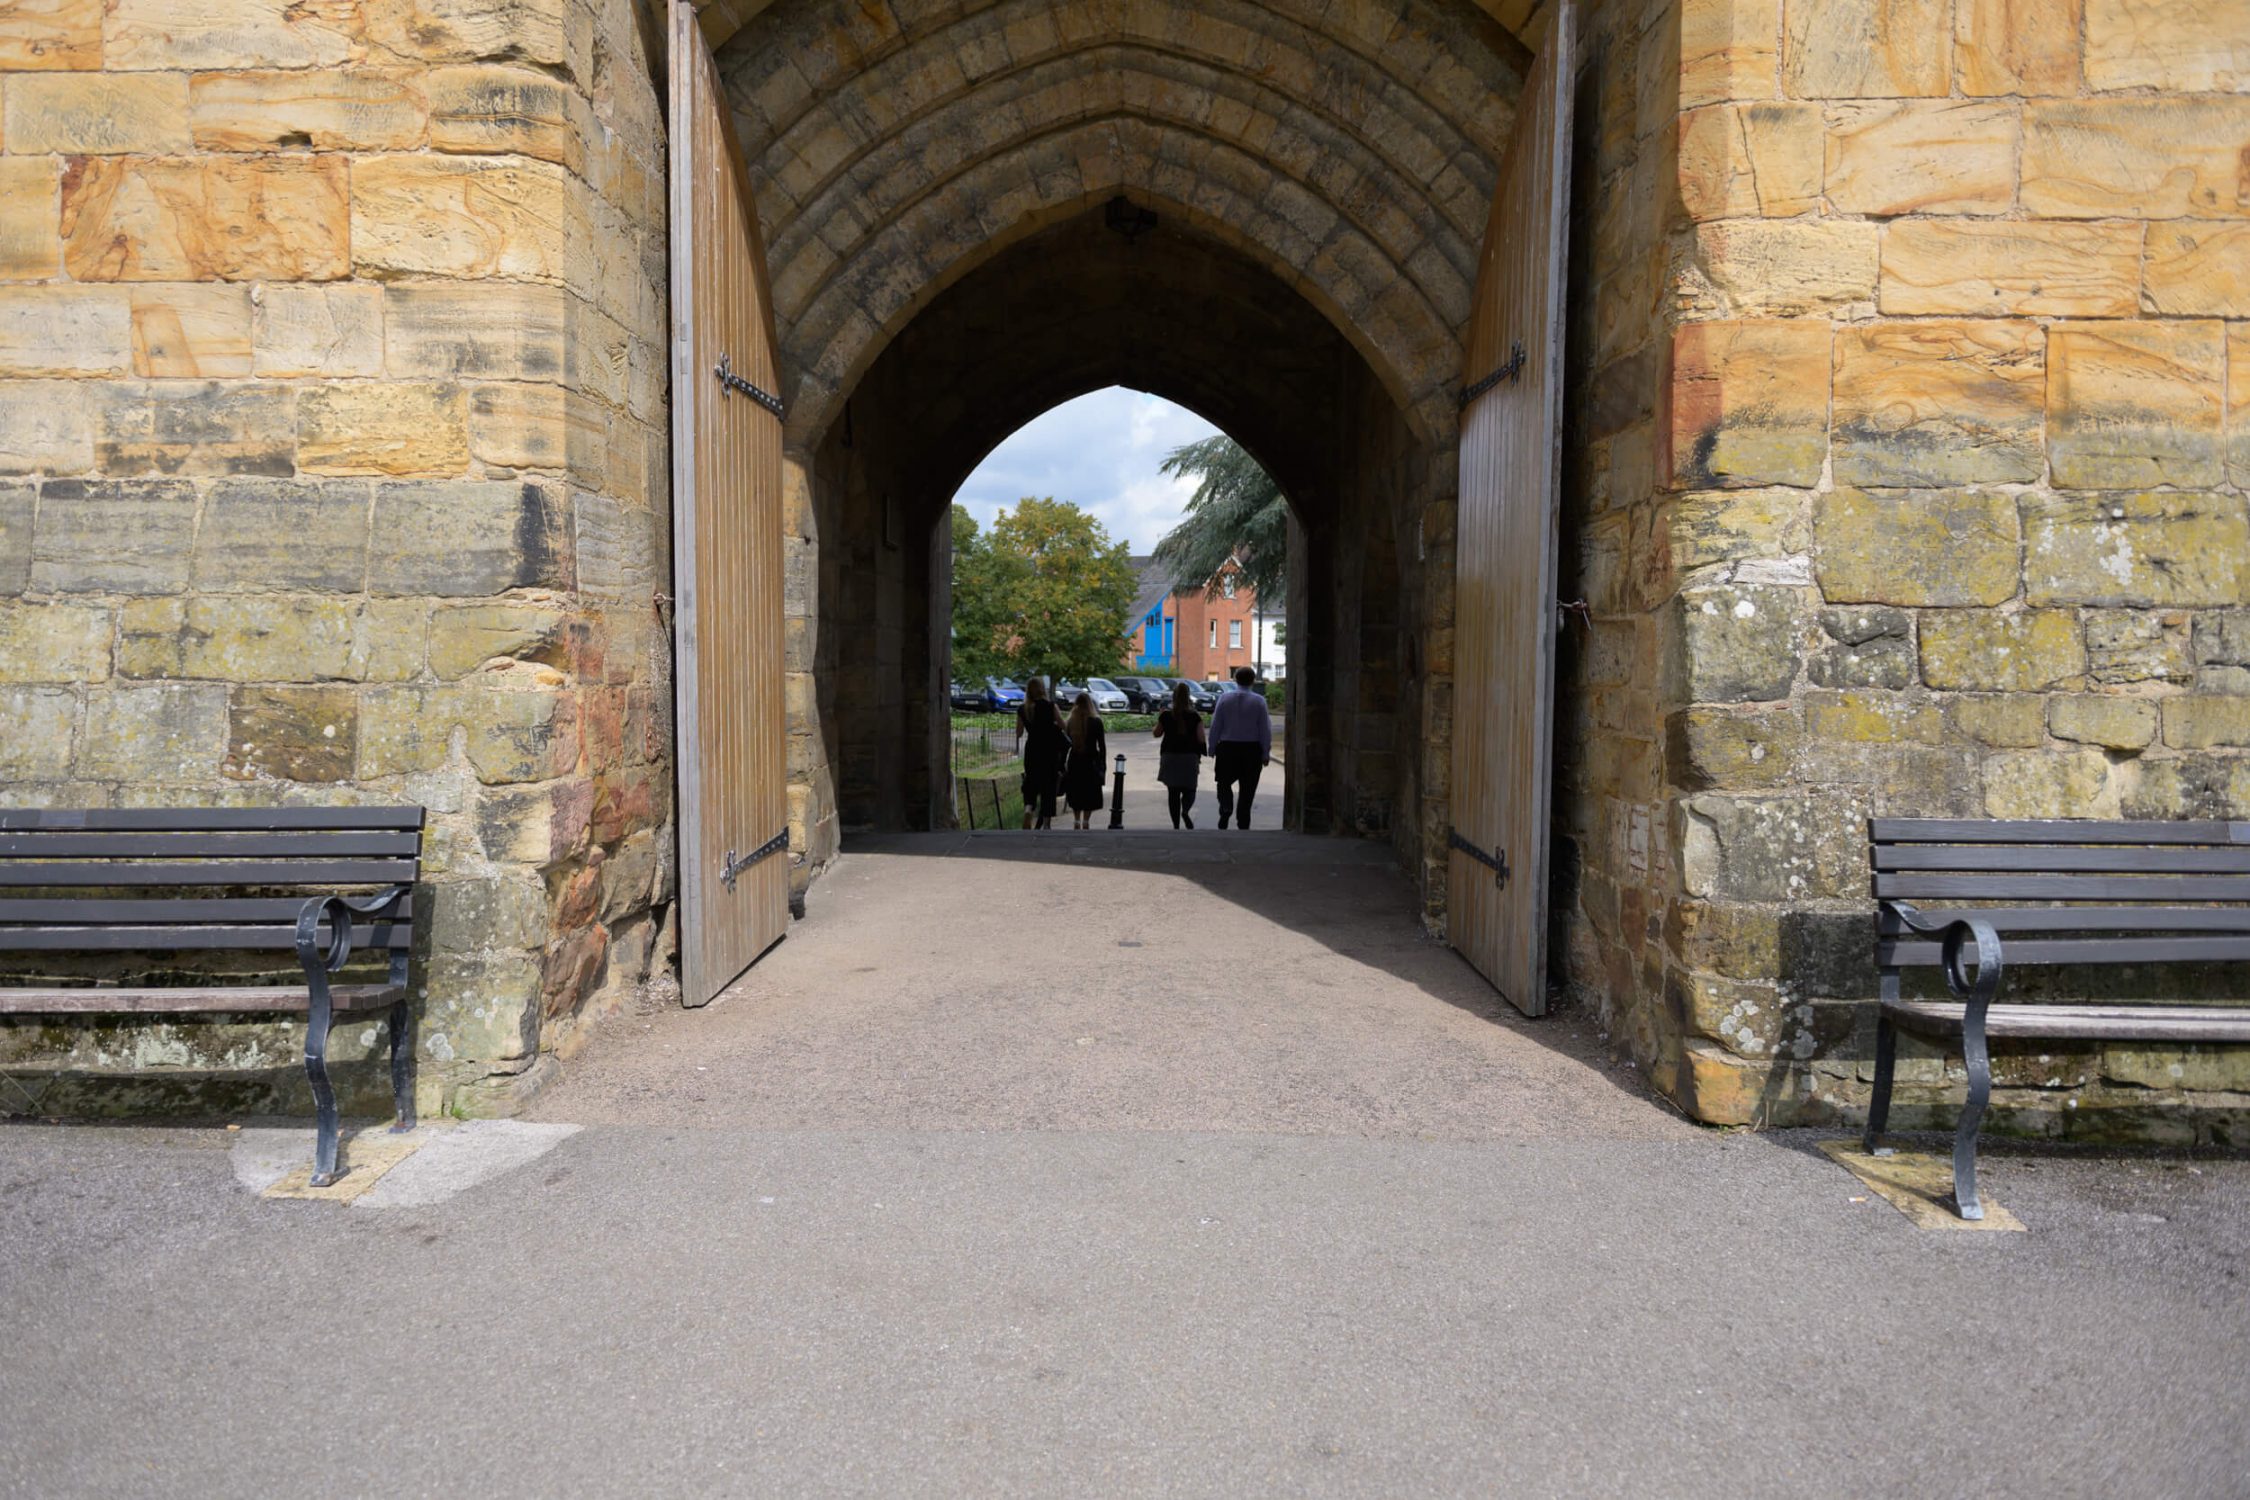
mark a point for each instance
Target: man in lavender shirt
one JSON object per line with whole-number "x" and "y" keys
{"x": 1241, "y": 745}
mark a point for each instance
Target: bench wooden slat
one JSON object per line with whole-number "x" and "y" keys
{"x": 158, "y": 910}
{"x": 2093, "y": 950}
{"x": 1919, "y": 886}
{"x": 2151, "y": 1023}
{"x": 210, "y": 819}
{"x": 361, "y": 844}
{"x": 2052, "y": 831}
{"x": 2122, "y": 859}
{"x": 215, "y": 999}
{"x": 241, "y": 872}
{"x": 272, "y": 938}
{"x": 2012, "y": 919}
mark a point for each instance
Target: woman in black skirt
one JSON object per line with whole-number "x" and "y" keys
{"x": 1082, "y": 782}
{"x": 1179, "y": 759}
{"x": 1039, "y": 735}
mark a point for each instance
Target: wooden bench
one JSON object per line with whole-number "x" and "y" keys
{"x": 317, "y": 882}
{"x": 2052, "y": 892}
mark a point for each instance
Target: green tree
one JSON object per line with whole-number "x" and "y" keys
{"x": 1236, "y": 511}
{"x": 1042, "y": 590}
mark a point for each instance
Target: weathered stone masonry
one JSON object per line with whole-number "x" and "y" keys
{"x": 332, "y": 400}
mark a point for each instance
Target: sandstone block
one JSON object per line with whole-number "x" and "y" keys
{"x": 2017, "y": 46}
{"x": 237, "y": 638}
{"x": 112, "y": 536}
{"x": 390, "y": 640}
{"x": 509, "y": 736}
{"x": 191, "y": 330}
{"x": 1718, "y": 526}
{"x": 538, "y": 826}
{"x": 465, "y": 30}
{"x": 1979, "y": 650}
{"x": 18, "y": 500}
{"x": 1710, "y": 747}
{"x": 465, "y": 637}
{"x": 36, "y": 34}
{"x": 317, "y": 330}
{"x": 2014, "y": 269}
{"x": 1749, "y": 404}
{"x": 372, "y": 428}
{"x": 260, "y": 534}
{"x": 467, "y": 538}
{"x": 489, "y": 109}
{"x": 520, "y": 426}
{"x": 29, "y": 209}
{"x": 2199, "y": 723}
{"x": 161, "y": 734}
{"x": 1785, "y": 269}
{"x": 1732, "y": 643}
{"x": 1743, "y": 160}
{"x": 211, "y": 427}
{"x": 1860, "y": 49}
{"x": 1727, "y": 50}
{"x": 2134, "y": 404}
{"x": 2178, "y": 46}
{"x": 1943, "y": 547}
{"x": 2099, "y": 719}
{"x": 438, "y": 216}
{"x": 1787, "y": 847}
{"x": 2222, "y": 651}
{"x": 278, "y": 218}
{"x": 2198, "y": 270}
{"x": 93, "y": 114}
{"x": 1865, "y": 646}
{"x": 64, "y": 330}
{"x": 292, "y": 734}
{"x": 320, "y": 109}
{"x": 47, "y": 426}
{"x": 2165, "y": 157}
{"x": 1872, "y": 717}
{"x": 616, "y": 546}
{"x": 2167, "y": 548}
{"x": 54, "y": 642}
{"x": 2200, "y": 1067}
{"x": 508, "y": 912}
{"x": 2002, "y": 720}
{"x": 2137, "y": 646}
{"x": 1935, "y": 157}
{"x": 42, "y": 729}
{"x": 2050, "y": 784}
{"x": 229, "y": 34}
{"x": 495, "y": 332}
{"x": 1939, "y": 403}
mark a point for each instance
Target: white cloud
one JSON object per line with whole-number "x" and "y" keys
{"x": 1099, "y": 452}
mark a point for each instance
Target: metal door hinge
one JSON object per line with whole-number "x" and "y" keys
{"x": 1495, "y": 860}
{"x": 1511, "y": 372}
{"x": 732, "y": 865}
{"x": 733, "y": 382}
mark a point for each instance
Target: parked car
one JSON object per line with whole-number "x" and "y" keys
{"x": 1109, "y": 698}
{"x": 1200, "y": 698}
{"x": 969, "y": 700}
{"x": 1144, "y": 695}
{"x": 1002, "y": 695}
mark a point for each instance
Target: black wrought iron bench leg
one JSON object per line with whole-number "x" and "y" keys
{"x": 1879, "y": 1105}
{"x": 323, "y": 1092}
{"x": 402, "y": 1067}
{"x": 1977, "y": 1055}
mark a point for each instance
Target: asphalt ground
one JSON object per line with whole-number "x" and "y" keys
{"x": 888, "y": 1220}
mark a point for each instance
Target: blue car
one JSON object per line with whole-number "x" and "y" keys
{"x": 1002, "y": 695}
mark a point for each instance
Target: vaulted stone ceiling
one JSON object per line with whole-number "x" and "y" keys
{"x": 1351, "y": 148}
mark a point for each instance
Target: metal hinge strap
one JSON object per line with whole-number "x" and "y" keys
{"x": 733, "y": 382}
{"x": 1511, "y": 372}
{"x": 1496, "y": 860}
{"x": 734, "y": 865}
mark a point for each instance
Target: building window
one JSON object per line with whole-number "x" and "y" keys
{"x": 1234, "y": 634}
{"x": 1214, "y": 635}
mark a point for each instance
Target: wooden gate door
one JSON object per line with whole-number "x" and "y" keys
{"x": 726, "y": 543}
{"x": 1504, "y": 603}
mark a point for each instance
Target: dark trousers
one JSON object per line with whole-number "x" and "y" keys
{"x": 1233, "y": 761}
{"x": 1181, "y": 803}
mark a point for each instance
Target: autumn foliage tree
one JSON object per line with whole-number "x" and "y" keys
{"x": 1043, "y": 590}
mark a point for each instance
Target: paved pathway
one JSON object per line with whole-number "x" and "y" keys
{"x": 1044, "y": 1165}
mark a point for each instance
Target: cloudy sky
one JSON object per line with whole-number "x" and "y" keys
{"x": 1101, "y": 452}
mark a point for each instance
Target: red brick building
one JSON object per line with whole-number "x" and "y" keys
{"x": 1200, "y": 631}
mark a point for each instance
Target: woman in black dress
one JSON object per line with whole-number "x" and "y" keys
{"x": 1082, "y": 783}
{"x": 1179, "y": 760}
{"x": 1040, "y": 737}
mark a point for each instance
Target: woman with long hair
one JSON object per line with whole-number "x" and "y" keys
{"x": 1089, "y": 746}
{"x": 1039, "y": 735}
{"x": 1179, "y": 760}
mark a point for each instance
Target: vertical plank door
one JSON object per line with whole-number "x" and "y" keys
{"x": 1504, "y": 606}
{"x": 726, "y": 543}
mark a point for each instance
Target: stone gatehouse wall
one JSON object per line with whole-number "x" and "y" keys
{"x": 1949, "y": 465}
{"x": 333, "y": 468}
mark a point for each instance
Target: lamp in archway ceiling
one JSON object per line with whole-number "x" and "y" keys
{"x": 1128, "y": 218}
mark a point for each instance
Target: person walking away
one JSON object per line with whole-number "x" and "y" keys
{"x": 1241, "y": 746}
{"x": 1089, "y": 747}
{"x": 1179, "y": 759}
{"x": 1041, "y": 741}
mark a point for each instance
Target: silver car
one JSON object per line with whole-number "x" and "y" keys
{"x": 1108, "y": 696}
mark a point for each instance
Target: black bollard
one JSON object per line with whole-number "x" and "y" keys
{"x": 1117, "y": 796}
